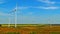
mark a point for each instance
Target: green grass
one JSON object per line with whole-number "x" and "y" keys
{"x": 54, "y": 32}
{"x": 24, "y": 24}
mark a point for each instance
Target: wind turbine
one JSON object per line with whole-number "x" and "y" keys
{"x": 9, "y": 20}
{"x": 15, "y": 16}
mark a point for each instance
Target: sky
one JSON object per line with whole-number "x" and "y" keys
{"x": 30, "y": 11}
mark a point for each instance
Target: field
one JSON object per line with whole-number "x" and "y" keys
{"x": 30, "y": 29}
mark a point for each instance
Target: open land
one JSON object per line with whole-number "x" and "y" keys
{"x": 30, "y": 29}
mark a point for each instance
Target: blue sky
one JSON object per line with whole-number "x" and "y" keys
{"x": 31, "y": 11}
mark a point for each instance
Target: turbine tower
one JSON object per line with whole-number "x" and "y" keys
{"x": 16, "y": 16}
{"x": 9, "y": 19}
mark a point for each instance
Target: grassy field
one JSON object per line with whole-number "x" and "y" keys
{"x": 24, "y": 24}
{"x": 29, "y": 29}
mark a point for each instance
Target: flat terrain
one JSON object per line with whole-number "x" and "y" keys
{"x": 30, "y": 29}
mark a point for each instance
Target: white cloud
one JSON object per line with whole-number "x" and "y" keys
{"x": 39, "y": 7}
{"x": 22, "y": 7}
{"x": 4, "y": 14}
{"x": 47, "y": 1}
{"x": 30, "y": 13}
{"x": 50, "y": 7}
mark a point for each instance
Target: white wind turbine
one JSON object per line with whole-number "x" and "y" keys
{"x": 15, "y": 16}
